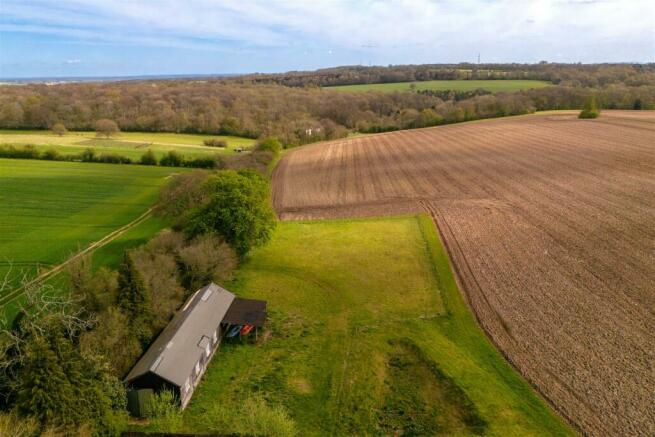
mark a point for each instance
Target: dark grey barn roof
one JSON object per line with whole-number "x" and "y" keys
{"x": 246, "y": 312}
{"x": 180, "y": 345}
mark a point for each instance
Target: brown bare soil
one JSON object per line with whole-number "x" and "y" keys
{"x": 550, "y": 224}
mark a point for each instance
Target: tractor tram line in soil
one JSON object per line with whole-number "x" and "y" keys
{"x": 456, "y": 252}
{"x": 588, "y": 202}
{"x": 550, "y": 225}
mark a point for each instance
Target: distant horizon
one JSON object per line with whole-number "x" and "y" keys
{"x": 126, "y": 77}
{"x": 114, "y": 38}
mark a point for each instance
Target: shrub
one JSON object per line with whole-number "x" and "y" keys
{"x": 163, "y": 411}
{"x": 113, "y": 158}
{"x": 172, "y": 159}
{"x": 259, "y": 418}
{"x": 51, "y": 155}
{"x": 270, "y": 144}
{"x": 252, "y": 416}
{"x": 204, "y": 162}
{"x": 590, "y": 109}
{"x": 88, "y": 155}
{"x": 214, "y": 142}
{"x": 148, "y": 158}
{"x": 26, "y": 152}
{"x": 162, "y": 404}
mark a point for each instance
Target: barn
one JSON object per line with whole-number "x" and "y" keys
{"x": 179, "y": 356}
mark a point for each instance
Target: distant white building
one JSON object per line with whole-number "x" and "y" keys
{"x": 312, "y": 131}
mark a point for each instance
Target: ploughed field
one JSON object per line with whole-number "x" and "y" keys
{"x": 550, "y": 224}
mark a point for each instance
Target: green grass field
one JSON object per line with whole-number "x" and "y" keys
{"x": 109, "y": 256}
{"x": 130, "y": 144}
{"x": 368, "y": 336}
{"x": 448, "y": 85}
{"x": 49, "y": 210}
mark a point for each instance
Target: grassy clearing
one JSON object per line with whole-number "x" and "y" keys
{"x": 48, "y": 210}
{"x": 449, "y": 85}
{"x": 368, "y": 336}
{"x": 130, "y": 144}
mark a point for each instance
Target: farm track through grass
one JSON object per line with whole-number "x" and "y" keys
{"x": 108, "y": 255}
{"x": 51, "y": 210}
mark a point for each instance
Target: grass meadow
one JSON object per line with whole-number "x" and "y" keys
{"x": 368, "y": 335}
{"x": 49, "y": 210}
{"x": 448, "y": 85}
{"x": 130, "y": 144}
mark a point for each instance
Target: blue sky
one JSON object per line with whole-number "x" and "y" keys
{"x": 45, "y": 38}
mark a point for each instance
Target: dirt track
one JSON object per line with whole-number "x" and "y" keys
{"x": 53, "y": 270}
{"x": 550, "y": 223}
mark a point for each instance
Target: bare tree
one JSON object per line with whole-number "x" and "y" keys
{"x": 207, "y": 259}
{"x": 59, "y": 129}
{"x": 106, "y": 128}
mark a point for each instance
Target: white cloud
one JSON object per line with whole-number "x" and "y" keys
{"x": 506, "y": 29}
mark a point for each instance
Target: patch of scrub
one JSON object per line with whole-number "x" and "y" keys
{"x": 422, "y": 400}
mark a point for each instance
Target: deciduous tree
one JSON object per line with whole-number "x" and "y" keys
{"x": 59, "y": 129}
{"x": 590, "y": 109}
{"x": 106, "y": 128}
{"x": 238, "y": 209}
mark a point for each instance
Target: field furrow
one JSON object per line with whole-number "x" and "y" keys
{"x": 550, "y": 224}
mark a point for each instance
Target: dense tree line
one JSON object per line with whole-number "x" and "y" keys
{"x": 299, "y": 115}
{"x": 586, "y": 75}
{"x": 64, "y": 357}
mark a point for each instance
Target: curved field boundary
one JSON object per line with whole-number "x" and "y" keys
{"x": 550, "y": 225}
{"x": 90, "y": 248}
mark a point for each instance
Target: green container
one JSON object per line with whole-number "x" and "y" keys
{"x": 137, "y": 401}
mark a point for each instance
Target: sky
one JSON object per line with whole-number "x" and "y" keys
{"x": 64, "y": 38}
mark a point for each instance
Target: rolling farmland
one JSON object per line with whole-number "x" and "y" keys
{"x": 550, "y": 223}
{"x": 49, "y": 210}
{"x": 448, "y": 85}
{"x": 130, "y": 144}
{"x": 368, "y": 336}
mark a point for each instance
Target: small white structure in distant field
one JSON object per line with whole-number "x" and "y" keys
{"x": 314, "y": 131}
